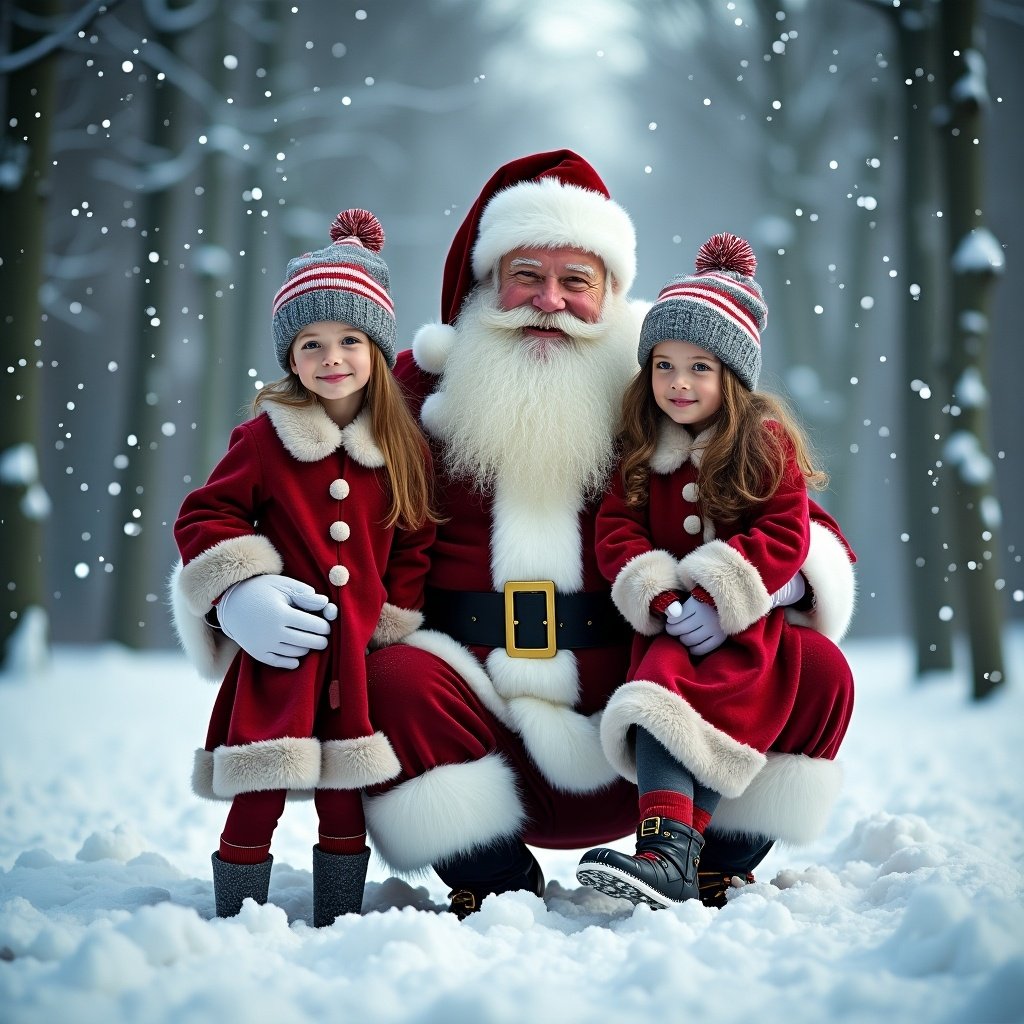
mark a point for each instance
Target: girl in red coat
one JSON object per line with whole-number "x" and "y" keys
{"x": 702, "y": 535}
{"x": 328, "y": 485}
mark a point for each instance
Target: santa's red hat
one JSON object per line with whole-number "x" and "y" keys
{"x": 547, "y": 199}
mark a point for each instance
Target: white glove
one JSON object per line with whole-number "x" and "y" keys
{"x": 269, "y": 618}
{"x": 694, "y": 624}
{"x": 790, "y": 593}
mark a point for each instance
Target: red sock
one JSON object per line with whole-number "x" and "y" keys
{"x": 701, "y": 819}
{"x": 666, "y": 803}
{"x": 342, "y": 825}
{"x": 250, "y": 826}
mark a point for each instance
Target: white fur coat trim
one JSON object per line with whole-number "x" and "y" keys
{"x": 565, "y": 745}
{"x": 230, "y": 561}
{"x": 676, "y": 446}
{"x": 207, "y": 649}
{"x": 357, "y": 763}
{"x": 431, "y": 346}
{"x": 639, "y": 582}
{"x": 789, "y": 799}
{"x": 712, "y": 756}
{"x": 830, "y": 573}
{"x": 734, "y": 584}
{"x": 444, "y": 812}
{"x": 537, "y": 708}
{"x": 289, "y": 763}
{"x": 394, "y": 625}
{"x": 309, "y": 434}
{"x": 536, "y": 537}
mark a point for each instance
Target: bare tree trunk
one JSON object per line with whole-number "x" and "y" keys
{"x": 138, "y": 571}
{"x": 24, "y": 151}
{"x": 976, "y": 259}
{"x": 925, "y": 341}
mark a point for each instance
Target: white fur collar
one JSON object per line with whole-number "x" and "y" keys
{"x": 309, "y": 434}
{"x": 677, "y": 446}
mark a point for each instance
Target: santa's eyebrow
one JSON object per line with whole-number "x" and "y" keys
{"x": 523, "y": 261}
{"x": 581, "y": 268}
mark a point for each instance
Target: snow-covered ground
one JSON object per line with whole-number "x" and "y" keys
{"x": 908, "y": 909}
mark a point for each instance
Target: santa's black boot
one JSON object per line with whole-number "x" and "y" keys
{"x": 503, "y": 866}
{"x": 338, "y": 880}
{"x": 234, "y": 883}
{"x": 662, "y": 873}
{"x": 728, "y": 863}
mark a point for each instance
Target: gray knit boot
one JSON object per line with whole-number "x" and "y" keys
{"x": 338, "y": 880}
{"x": 233, "y": 883}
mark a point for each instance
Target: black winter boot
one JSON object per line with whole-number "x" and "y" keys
{"x": 338, "y": 880}
{"x": 233, "y": 883}
{"x": 663, "y": 871}
{"x": 504, "y": 866}
{"x": 728, "y": 862}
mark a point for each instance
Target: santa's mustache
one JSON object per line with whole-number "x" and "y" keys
{"x": 516, "y": 319}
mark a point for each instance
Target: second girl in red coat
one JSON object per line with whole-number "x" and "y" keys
{"x": 702, "y": 535}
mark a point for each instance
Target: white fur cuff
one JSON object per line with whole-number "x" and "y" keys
{"x": 288, "y": 763}
{"x": 357, "y": 763}
{"x": 443, "y": 812}
{"x": 830, "y": 573}
{"x": 734, "y": 584}
{"x": 790, "y": 800}
{"x": 208, "y": 575}
{"x": 638, "y": 583}
{"x": 394, "y": 625}
{"x": 208, "y": 650}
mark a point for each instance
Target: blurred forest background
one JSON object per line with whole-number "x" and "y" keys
{"x": 162, "y": 160}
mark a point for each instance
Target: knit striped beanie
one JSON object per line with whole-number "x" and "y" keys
{"x": 346, "y": 282}
{"x": 720, "y": 308}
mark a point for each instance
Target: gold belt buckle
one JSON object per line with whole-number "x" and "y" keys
{"x": 650, "y": 826}
{"x": 545, "y": 587}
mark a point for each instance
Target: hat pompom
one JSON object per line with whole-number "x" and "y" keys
{"x": 431, "y": 346}
{"x": 726, "y": 252}
{"x": 361, "y": 225}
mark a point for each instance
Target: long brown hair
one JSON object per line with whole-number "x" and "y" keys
{"x": 743, "y": 463}
{"x": 398, "y": 436}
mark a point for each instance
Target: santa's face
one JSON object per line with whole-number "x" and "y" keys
{"x": 552, "y": 281}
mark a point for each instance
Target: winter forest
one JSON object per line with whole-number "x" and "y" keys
{"x": 163, "y": 159}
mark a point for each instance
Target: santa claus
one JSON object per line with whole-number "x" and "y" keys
{"x": 494, "y": 708}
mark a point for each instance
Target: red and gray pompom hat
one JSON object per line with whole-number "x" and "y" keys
{"x": 346, "y": 282}
{"x": 545, "y": 200}
{"x": 720, "y": 308}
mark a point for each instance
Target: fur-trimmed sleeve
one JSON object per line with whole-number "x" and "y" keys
{"x": 637, "y": 571}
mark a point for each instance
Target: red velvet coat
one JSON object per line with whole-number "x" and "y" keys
{"x": 718, "y": 714}
{"x": 297, "y": 495}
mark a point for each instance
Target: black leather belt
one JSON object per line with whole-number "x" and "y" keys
{"x": 529, "y": 619}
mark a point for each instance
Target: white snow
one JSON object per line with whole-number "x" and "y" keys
{"x": 965, "y": 451}
{"x": 979, "y": 252}
{"x": 907, "y": 909}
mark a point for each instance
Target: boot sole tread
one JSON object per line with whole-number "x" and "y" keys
{"x": 621, "y": 884}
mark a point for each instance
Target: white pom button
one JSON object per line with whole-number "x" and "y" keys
{"x": 692, "y": 524}
{"x": 339, "y": 490}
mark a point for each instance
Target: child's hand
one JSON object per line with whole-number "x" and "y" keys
{"x": 695, "y": 625}
{"x": 270, "y": 618}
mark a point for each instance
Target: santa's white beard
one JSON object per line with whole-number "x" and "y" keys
{"x": 535, "y": 418}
